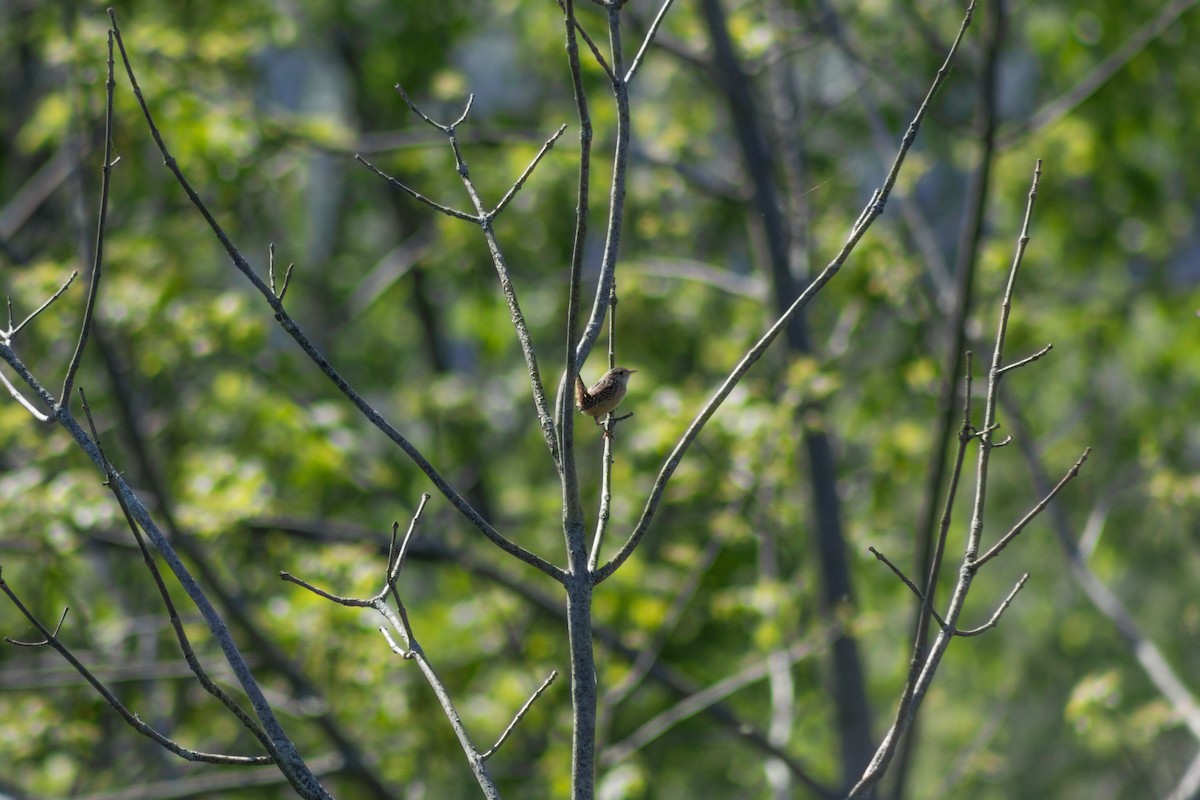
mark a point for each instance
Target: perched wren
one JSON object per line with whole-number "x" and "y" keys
{"x": 606, "y": 395}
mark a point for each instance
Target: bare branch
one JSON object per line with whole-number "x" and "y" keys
{"x": 616, "y": 197}
{"x": 13, "y": 330}
{"x": 648, "y": 40}
{"x": 1027, "y": 360}
{"x": 564, "y": 409}
{"x": 289, "y": 759}
{"x": 413, "y": 193}
{"x": 432, "y": 123}
{"x": 516, "y": 187}
{"x": 485, "y": 220}
{"x": 394, "y": 566}
{"x": 1112, "y": 64}
{"x": 287, "y": 276}
{"x": 411, "y": 650}
{"x": 520, "y": 714}
{"x": 912, "y": 587}
{"x": 911, "y": 700}
{"x": 353, "y": 602}
{"x": 395, "y": 646}
{"x": 10, "y": 356}
{"x": 43, "y": 642}
{"x": 991, "y": 623}
{"x": 591, "y": 45}
{"x": 1033, "y": 512}
{"x": 98, "y": 255}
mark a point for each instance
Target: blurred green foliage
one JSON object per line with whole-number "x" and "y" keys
{"x": 265, "y": 103}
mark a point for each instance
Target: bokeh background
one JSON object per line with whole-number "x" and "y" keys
{"x": 251, "y": 459}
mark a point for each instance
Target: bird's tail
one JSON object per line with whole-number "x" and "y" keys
{"x": 580, "y": 392}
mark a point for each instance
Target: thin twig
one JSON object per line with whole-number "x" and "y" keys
{"x": 520, "y": 715}
{"x": 648, "y": 40}
{"x": 14, "y": 330}
{"x": 604, "y": 514}
{"x": 954, "y": 631}
{"x": 1112, "y": 64}
{"x": 352, "y": 602}
{"x": 411, "y": 650}
{"x": 516, "y": 187}
{"x": 413, "y": 193}
{"x": 98, "y": 255}
{"x": 43, "y": 642}
{"x": 416, "y": 654}
{"x": 616, "y": 195}
{"x": 564, "y": 410}
{"x": 287, "y": 275}
{"x": 6, "y": 338}
{"x": 394, "y": 565}
{"x": 1033, "y": 512}
{"x": 7, "y": 353}
{"x": 912, "y": 587}
{"x": 433, "y": 124}
{"x": 591, "y": 45}
{"x": 991, "y": 623}
{"x": 1027, "y": 359}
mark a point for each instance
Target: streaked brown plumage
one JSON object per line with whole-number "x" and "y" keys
{"x": 606, "y": 395}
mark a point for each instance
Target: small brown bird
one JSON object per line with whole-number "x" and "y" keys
{"x": 606, "y": 395}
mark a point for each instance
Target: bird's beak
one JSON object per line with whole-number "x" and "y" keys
{"x": 632, "y": 371}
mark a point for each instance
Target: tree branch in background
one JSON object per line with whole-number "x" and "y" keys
{"x": 1113, "y": 63}
{"x": 1142, "y": 647}
{"x": 722, "y": 689}
{"x": 786, "y": 241}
